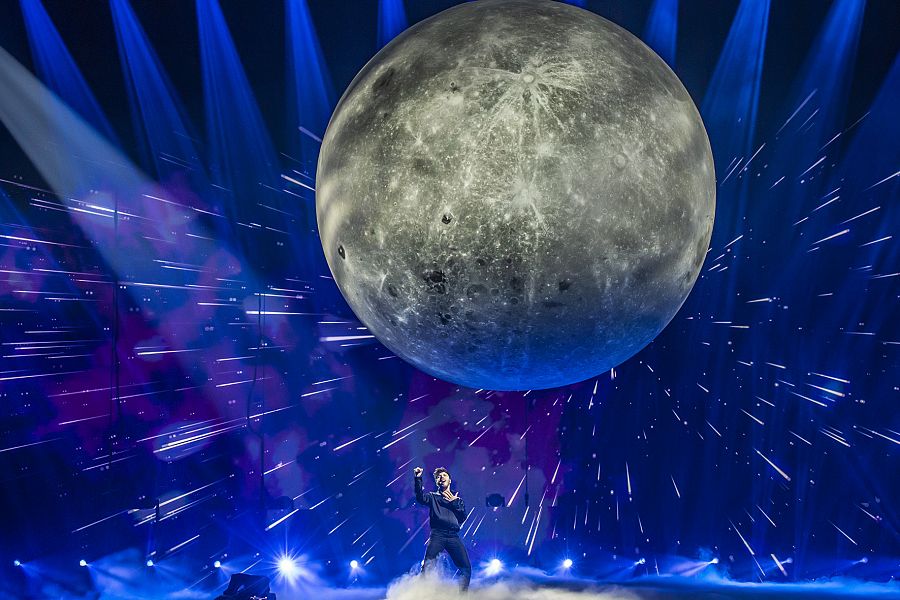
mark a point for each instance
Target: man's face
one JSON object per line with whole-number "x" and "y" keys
{"x": 443, "y": 480}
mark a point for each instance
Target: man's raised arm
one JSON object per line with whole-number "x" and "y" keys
{"x": 421, "y": 497}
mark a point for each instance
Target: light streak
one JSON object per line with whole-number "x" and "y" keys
{"x": 83, "y": 419}
{"x": 831, "y": 237}
{"x": 737, "y": 531}
{"x": 481, "y": 434}
{"x": 307, "y": 394}
{"x": 752, "y": 417}
{"x": 345, "y": 444}
{"x": 11, "y": 448}
{"x": 844, "y": 534}
{"x": 778, "y": 564}
{"x": 811, "y": 167}
{"x": 807, "y": 398}
{"x": 515, "y": 493}
{"x": 182, "y": 544}
{"x": 805, "y": 441}
{"x": 826, "y": 390}
{"x": 876, "y": 241}
{"x": 882, "y": 181}
{"x": 773, "y": 465}
{"x": 282, "y": 519}
{"x": 344, "y": 338}
{"x": 388, "y": 445}
{"x": 733, "y": 241}
{"x": 799, "y": 108}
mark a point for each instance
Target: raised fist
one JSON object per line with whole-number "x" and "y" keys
{"x": 417, "y": 471}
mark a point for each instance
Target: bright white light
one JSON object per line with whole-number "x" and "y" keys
{"x": 354, "y": 564}
{"x": 714, "y": 561}
{"x": 494, "y": 567}
{"x": 567, "y": 564}
{"x": 642, "y": 561}
{"x": 82, "y": 563}
{"x": 17, "y": 563}
{"x": 287, "y": 567}
{"x": 149, "y": 562}
{"x": 217, "y": 564}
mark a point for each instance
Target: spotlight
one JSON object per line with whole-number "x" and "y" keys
{"x": 354, "y": 564}
{"x": 714, "y": 561}
{"x": 287, "y": 567}
{"x": 494, "y": 567}
{"x": 217, "y": 564}
{"x": 150, "y": 562}
{"x": 642, "y": 561}
{"x": 16, "y": 563}
{"x": 567, "y": 564}
{"x": 82, "y": 563}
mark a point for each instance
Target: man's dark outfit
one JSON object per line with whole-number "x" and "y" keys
{"x": 445, "y": 519}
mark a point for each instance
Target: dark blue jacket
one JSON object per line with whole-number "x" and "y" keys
{"x": 443, "y": 517}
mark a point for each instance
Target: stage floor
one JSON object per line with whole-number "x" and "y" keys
{"x": 110, "y": 583}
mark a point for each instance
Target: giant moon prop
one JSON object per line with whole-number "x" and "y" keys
{"x": 515, "y": 194}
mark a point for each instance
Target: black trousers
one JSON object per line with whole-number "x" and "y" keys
{"x": 449, "y": 541}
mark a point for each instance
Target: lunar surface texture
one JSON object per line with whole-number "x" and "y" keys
{"x": 515, "y": 194}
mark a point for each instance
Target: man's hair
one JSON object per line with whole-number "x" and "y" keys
{"x": 440, "y": 470}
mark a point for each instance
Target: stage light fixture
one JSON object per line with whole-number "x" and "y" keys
{"x": 494, "y": 567}
{"x": 217, "y": 564}
{"x": 354, "y": 564}
{"x": 567, "y": 564}
{"x": 150, "y": 562}
{"x": 714, "y": 561}
{"x": 82, "y": 563}
{"x": 287, "y": 567}
{"x": 17, "y": 563}
{"x": 494, "y": 501}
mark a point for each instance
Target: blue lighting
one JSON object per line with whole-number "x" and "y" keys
{"x": 58, "y": 70}
{"x": 567, "y": 563}
{"x": 662, "y": 29}
{"x": 391, "y": 20}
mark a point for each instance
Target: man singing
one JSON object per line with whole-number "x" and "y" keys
{"x": 446, "y": 512}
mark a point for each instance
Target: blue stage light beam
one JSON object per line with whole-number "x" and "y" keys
{"x": 809, "y": 136}
{"x": 158, "y": 115}
{"x": 391, "y": 20}
{"x": 58, "y": 70}
{"x": 310, "y": 91}
{"x": 730, "y": 104}
{"x": 871, "y": 160}
{"x": 242, "y": 158}
{"x": 662, "y": 29}
{"x": 816, "y": 105}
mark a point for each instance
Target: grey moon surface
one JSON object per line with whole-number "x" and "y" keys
{"x": 515, "y": 194}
